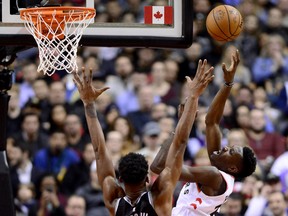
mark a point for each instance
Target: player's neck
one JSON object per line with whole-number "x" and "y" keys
{"x": 133, "y": 192}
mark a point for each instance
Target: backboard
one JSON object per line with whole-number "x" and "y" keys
{"x": 109, "y": 34}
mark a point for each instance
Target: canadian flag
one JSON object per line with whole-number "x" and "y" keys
{"x": 158, "y": 15}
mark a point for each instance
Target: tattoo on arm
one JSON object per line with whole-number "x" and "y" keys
{"x": 91, "y": 111}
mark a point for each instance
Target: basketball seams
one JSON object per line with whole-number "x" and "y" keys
{"x": 228, "y": 17}
{"x": 215, "y": 20}
{"x": 238, "y": 24}
{"x": 215, "y": 35}
{"x": 221, "y": 26}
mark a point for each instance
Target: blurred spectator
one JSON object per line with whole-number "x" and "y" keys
{"x": 272, "y": 115}
{"x": 243, "y": 96}
{"x": 40, "y": 99}
{"x": 76, "y": 206}
{"x": 57, "y": 94}
{"x": 173, "y": 70}
{"x": 167, "y": 124}
{"x": 145, "y": 58}
{"x": 247, "y": 188}
{"x": 114, "y": 144}
{"x": 272, "y": 62}
{"x": 281, "y": 101}
{"x": 51, "y": 202}
{"x": 25, "y": 202}
{"x": 280, "y": 166}
{"x": 274, "y": 24}
{"x": 202, "y": 158}
{"x": 92, "y": 194}
{"x": 22, "y": 171}
{"x": 143, "y": 115}
{"x": 30, "y": 74}
{"x": 150, "y": 140}
{"x": 78, "y": 174}
{"x": 111, "y": 113}
{"x": 189, "y": 64}
{"x": 267, "y": 146}
{"x": 137, "y": 8}
{"x": 262, "y": 192}
{"x": 233, "y": 205}
{"x": 277, "y": 204}
{"x": 31, "y": 134}
{"x": 57, "y": 157}
{"x": 14, "y": 111}
{"x": 114, "y": 11}
{"x": 75, "y": 134}
{"x": 160, "y": 110}
{"x": 57, "y": 118}
{"x": 130, "y": 139}
{"x": 242, "y": 115}
{"x": 247, "y": 42}
{"x": 160, "y": 86}
{"x": 120, "y": 82}
{"x": 128, "y": 100}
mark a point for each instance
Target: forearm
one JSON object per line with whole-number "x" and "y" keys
{"x": 183, "y": 129}
{"x": 180, "y": 137}
{"x": 159, "y": 161}
{"x": 216, "y": 108}
{"x": 94, "y": 127}
{"x": 104, "y": 164}
{"x": 184, "y": 126}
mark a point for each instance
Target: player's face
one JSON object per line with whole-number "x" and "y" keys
{"x": 228, "y": 155}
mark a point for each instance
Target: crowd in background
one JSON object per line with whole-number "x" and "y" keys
{"x": 48, "y": 144}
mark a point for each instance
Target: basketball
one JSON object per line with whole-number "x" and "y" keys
{"x": 224, "y": 23}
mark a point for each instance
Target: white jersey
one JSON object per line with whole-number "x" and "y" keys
{"x": 193, "y": 202}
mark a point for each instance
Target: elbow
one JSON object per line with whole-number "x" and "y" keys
{"x": 209, "y": 120}
{"x": 155, "y": 169}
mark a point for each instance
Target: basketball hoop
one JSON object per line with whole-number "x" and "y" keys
{"x": 57, "y": 31}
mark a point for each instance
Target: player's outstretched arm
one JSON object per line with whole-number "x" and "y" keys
{"x": 105, "y": 169}
{"x": 215, "y": 111}
{"x": 164, "y": 186}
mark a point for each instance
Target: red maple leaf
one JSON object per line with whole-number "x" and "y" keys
{"x": 158, "y": 15}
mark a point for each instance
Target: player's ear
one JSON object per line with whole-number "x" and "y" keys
{"x": 233, "y": 169}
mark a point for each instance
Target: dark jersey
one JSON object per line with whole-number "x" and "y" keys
{"x": 142, "y": 207}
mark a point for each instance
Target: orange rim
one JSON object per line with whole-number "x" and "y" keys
{"x": 76, "y": 13}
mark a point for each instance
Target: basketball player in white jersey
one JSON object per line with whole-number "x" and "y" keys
{"x": 208, "y": 187}
{"x": 128, "y": 195}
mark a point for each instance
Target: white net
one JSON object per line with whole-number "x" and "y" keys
{"x": 57, "y": 34}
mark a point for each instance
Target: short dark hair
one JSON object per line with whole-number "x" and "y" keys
{"x": 236, "y": 196}
{"x": 249, "y": 163}
{"x": 133, "y": 168}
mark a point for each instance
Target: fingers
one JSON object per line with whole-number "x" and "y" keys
{"x": 77, "y": 80}
{"x": 90, "y": 77}
{"x": 103, "y": 89}
{"x": 199, "y": 68}
{"x": 224, "y": 68}
{"x": 237, "y": 55}
{"x": 187, "y": 78}
{"x": 84, "y": 75}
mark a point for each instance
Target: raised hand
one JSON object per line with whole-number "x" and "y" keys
{"x": 201, "y": 79}
{"x": 230, "y": 72}
{"x": 88, "y": 93}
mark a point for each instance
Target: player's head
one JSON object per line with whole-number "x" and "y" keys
{"x": 236, "y": 160}
{"x": 133, "y": 168}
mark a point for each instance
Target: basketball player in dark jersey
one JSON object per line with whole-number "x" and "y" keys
{"x": 128, "y": 195}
